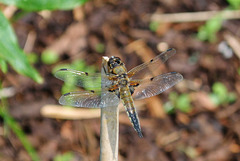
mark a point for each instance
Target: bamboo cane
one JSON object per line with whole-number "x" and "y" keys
{"x": 109, "y": 126}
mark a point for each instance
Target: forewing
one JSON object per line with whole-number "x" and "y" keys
{"x": 156, "y": 85}
{"x": 150, "y": 67}
{"x": 82, "y": 79}
{"x": 89, "y": 99}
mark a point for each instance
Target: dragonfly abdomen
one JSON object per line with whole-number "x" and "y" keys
{"x": 130, "y": 109}
{"x": 132, "y": 114}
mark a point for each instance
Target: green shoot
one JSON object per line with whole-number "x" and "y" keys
{"x": 49, "y": 57}
{"x": 68, "y": 156}
{"x": 238, "y": 70}
{"x": 212, "y": 26}
{"x": 11, "y": 53}
{"x": 235, "y": 4}
{"x": 32, "y": 58}
{"x": 183, "y": 103}
{"x": 153, "y": 26}
{"x": 37, "y": 5}
{"x": 220, "y": 94}
{"x": 209, "y": 30}
{"x": 100, "y": 48}
{"x": 178, "y": 102}
{"x": 3, "y": 66}
{"x": 169, "y": 108}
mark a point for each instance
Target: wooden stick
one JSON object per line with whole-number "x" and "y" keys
{"x": 194, "y": 16}
{"x": 109, "y": 127}
{"x": 60, "y": 112}
{"x": 233, "y": 42}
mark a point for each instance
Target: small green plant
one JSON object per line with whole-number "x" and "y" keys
{"x": 220, "y": 95}
{"x": 235, "y": 4}
{"x": 3, "y": 65}
{"x": 238, "y": 70}
{"x": 49, "y": 57}
{"x": 100, "y": 48}
{"x": 153, "y": 26}
{"x": 32, "y": 58}
{"x": 178, "y": 102}
{"x": 11, "y": 53}
{"x": 208, "y": 31}
{"x": 68, "y": 156}
{"x": 37, "y": 5}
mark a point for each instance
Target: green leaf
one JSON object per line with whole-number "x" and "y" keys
{"x": 37, "y": 5}
{"x": 169, "y": 108}
{"x": 11, "y": 52}
{"x": 209, "y": 30}
{"x": 68, "y": 156}
{"x": 238, "y": 71}
{"x": 153, "y": 26}
{"x": 100, "y": 47}
{"x": 232, "y": 97}
{"x": 215, "y": 99}
{"x": 183, "y": 103}
{"x": 221, "y": 91}
{"x": 220, "y": 94}
{"x": 3, "y": 66}
{"x": 49, "y": 57}
{"x": 32, "y": 58}
{"x": 173, "y": 97}
{"x": 234, "y": 3}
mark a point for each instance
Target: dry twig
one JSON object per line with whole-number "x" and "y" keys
{"x": 194, "y": 16}
{"x": 233, "y": 42}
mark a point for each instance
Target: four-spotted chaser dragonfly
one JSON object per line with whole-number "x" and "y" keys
{"x": 119, "y": 85}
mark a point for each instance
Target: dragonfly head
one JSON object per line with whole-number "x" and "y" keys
{"x": 114, "y": 62}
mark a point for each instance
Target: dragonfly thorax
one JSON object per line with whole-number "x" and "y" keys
{"x": 123, "y": 82}
{"x": 116, "y": 66}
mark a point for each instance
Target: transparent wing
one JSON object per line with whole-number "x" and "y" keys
{"x": 82, "y": 79}
{"x": 140, "y": 71}
{"x": 156, "y": 85}
{"x": 89, "y": 99}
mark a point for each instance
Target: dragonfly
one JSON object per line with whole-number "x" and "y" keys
{"x": 119, "y": 84}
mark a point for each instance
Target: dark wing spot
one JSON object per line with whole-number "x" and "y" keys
{"x": 92, "y": 91}
{"x": 135, "y": 85}
{"x": 173, "y": 72}
{"x": 86, "y": 73}
{"x": 151, "y": 78}
{"x": 111, "y": 90}
{"x": 66, "y": 94}
{"x": 151, "y": 60}
{"x": 169, "y": 49}
{"x": 131, "y": 90}
{"x": 63, "y": 69}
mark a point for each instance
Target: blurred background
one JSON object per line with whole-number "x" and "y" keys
{"x": 198, "y": 119}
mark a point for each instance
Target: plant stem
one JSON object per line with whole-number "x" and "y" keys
{"x": 109, "y": 126}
